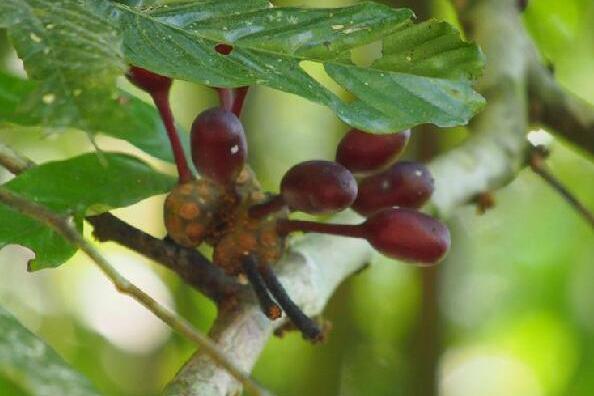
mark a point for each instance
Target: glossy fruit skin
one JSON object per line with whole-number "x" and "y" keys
{"x": 405, "y": 184}
{"x": 408, "y": 235}
{"x": 318, "y": 187}
{"x": 219, "y": 147}
{"x": 361, "y": 151}
{"x": 148, "y": 81}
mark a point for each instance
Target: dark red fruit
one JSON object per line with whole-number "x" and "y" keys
{"x": 361, "y": 151}
{"x": 148, "y": 81}
{"x": 219, "y": 147}
{"x": 403, "y": 234}
{"x": 317, "y": 187}
{"x": 408, "y": 235}
{"x": 406, "y": 184}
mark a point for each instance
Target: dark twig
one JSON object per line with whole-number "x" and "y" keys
{"x": 189, "y": 264}
{"x": 305, "y": 324}
{"x": 269, "y": 307}
{"x": 539, "y": 166}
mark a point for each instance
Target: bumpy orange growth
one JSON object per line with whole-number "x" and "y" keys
{"x": 190, "y": 211}
{"x": 203, "y": 211}
{"x": 246, "y": 235}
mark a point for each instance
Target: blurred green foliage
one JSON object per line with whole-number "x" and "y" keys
{"x": 515, "y": 295}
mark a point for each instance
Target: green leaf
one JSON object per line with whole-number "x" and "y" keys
{"x": 31, "y": 364}
{"x": 132, "y": 119}
{"x": 432, "y": 49}
{"x": 75, "y": 187}
{"x": 73, "y": 52}
{"x": 13, "y": 91}
{"x": 270, "y": 43}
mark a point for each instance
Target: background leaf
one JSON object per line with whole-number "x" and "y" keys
{"x": 73, "y": 187}
{"x": 424, "y": 49}
{"x": 13, "y": 91}
{"x": 34, "y": 366}
{"x": 73, "y": 52}
{"x": 134, "y": 121}
{"x": 269, "y": 44}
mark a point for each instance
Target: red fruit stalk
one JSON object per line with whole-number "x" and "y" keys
{"x": 226, "y": 98}
{"x": 346, "y": 230}
{"x": 274, "y": 204}
{"x": 232, "y": 99}
{"x": 158, "y": 87}
{"x": 240, "y": 94}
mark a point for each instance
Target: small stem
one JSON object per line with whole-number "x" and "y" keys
{"x": 232, "y": 99}
{"x": 161, "y": 99}
{"x": 306, "y": 325}
{"x": 538, "y": 165}
{"x": 269, "y": 307}
{"x": 13, "y": 161}
{"x": 264, "y": 209}
{"x": 240, "y": 94}
{"x": 65, "y": 228}
{"x": 346, "y": 230}
{"x": 226, "y": 98}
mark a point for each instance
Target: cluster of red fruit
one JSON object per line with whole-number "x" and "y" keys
{"x": 247, "y": 228}
{"x": 387, "y": 193}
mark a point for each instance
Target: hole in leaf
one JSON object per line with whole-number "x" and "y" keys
{"x": 317, "y": 72}
{"x": 365, "y": 55}
{"x": 223, "y": 49}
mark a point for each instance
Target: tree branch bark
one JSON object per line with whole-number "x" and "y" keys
{"x": 555, "y": 108}
{"x": 317, "y": 264}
